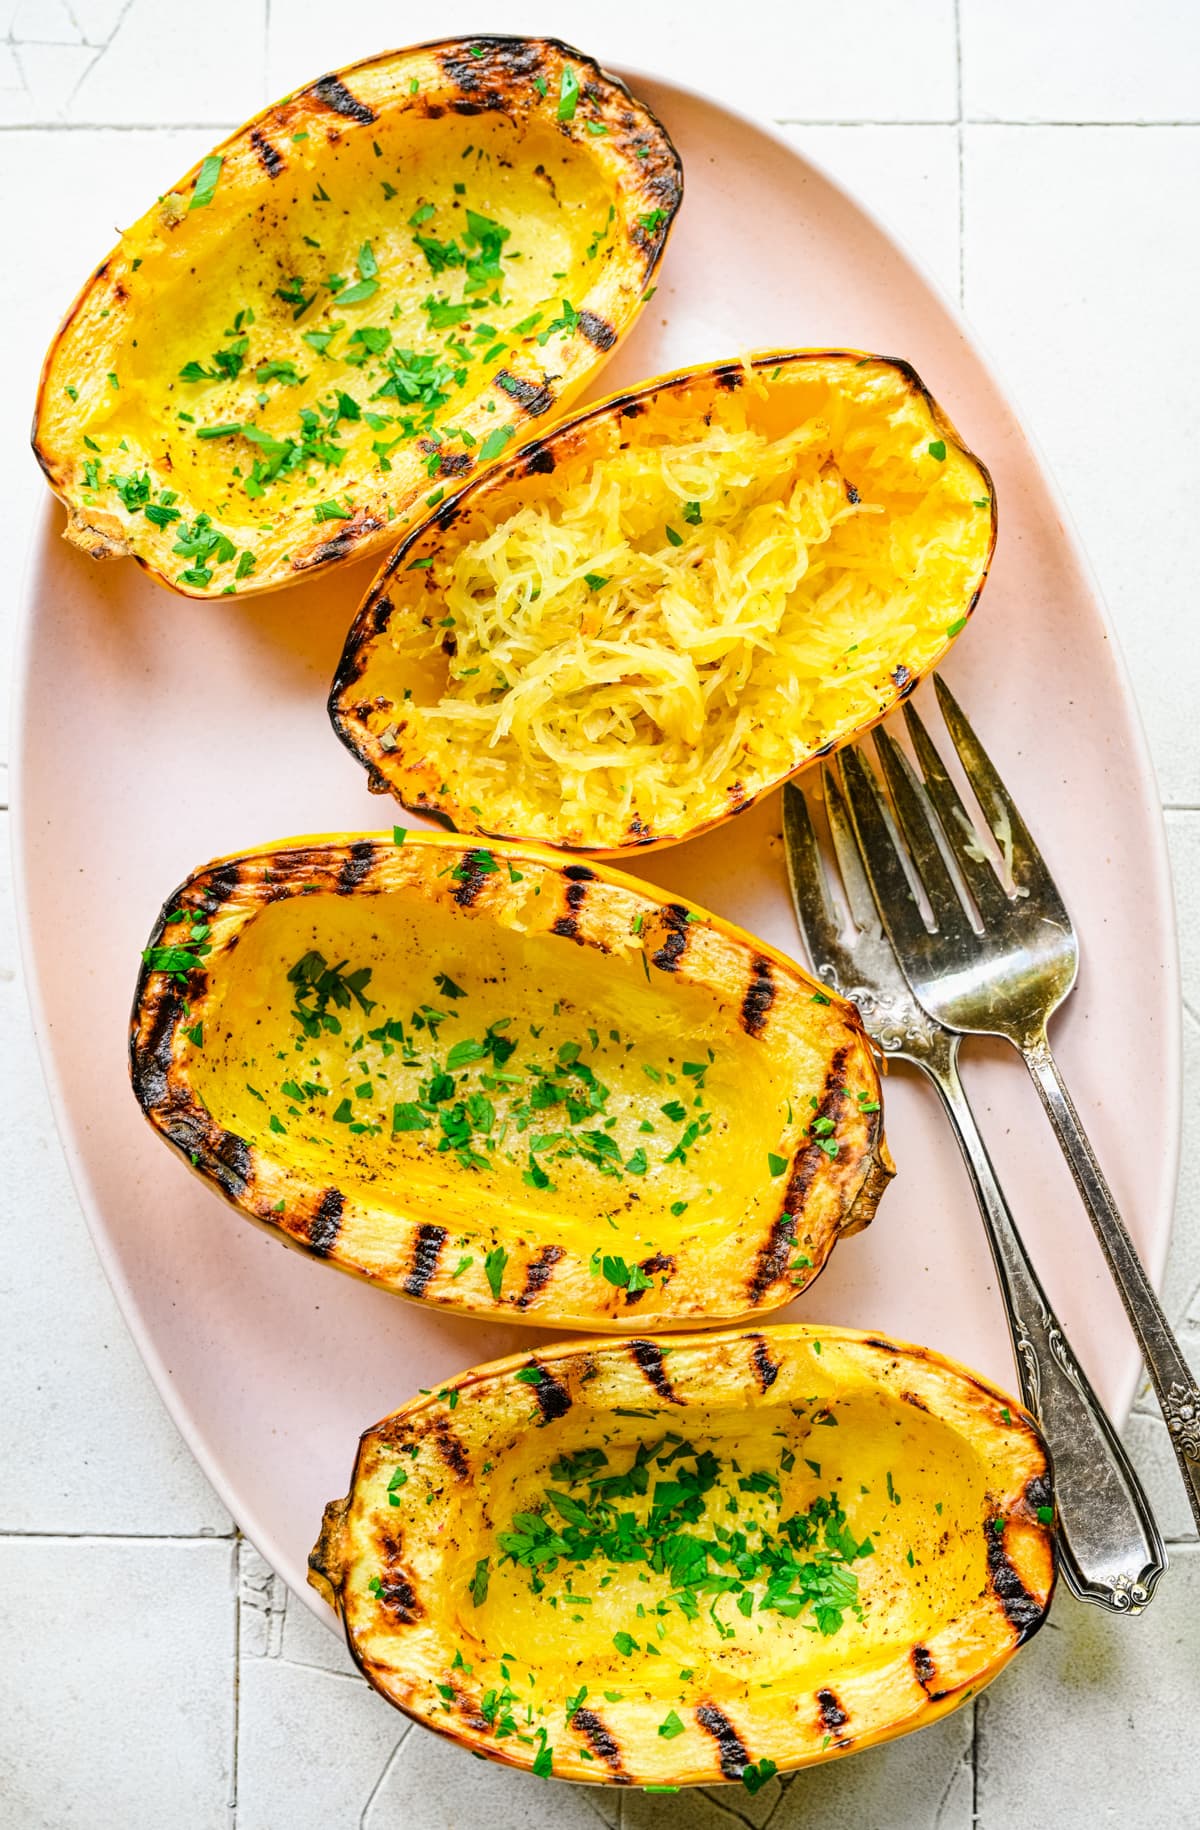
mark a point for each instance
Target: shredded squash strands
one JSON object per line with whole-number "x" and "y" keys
{"x": 671, "y": 625}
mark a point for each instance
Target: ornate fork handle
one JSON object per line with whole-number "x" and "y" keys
{"x": 1172, "y": 1378}
{"x": 1111, "y": 1550}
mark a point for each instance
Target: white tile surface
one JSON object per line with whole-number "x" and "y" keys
{"x": 1068, "y": 1736}
{"x": 115, "y": 1688}
{"x": 1071, "y": 60}
{"x": 122, "y": 1676}
{"x": 138, "y": 62}
{"x": 793, "y": 61}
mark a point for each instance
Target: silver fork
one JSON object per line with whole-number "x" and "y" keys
{"x": 1111, "y": 1550}
{"x": 1001, "y": 969}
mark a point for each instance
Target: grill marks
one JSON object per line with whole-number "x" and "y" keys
{"x": 450, "y": 1449}
{"x": 924, "y": 1669}
{"x": 326, "y": 1223}
{"x": 731, "y": 1749}
{"x": 766, "y": 1370}
{"x": 553, "y": 1398}
{"x": 675, "y": 920}
{"x": 1021, "y": 1610}
{"x": 649, "y": 1360}
{"x": 772, "y": 1258}
{"x": 538, "y": 1273}
{"x": 833, "y": 1716}
{"x": 399, "y": 1597}
{"x": 333, "y": 93}
{"x": 270, "y": 157}
{"x": 469, "y": 879}
{"x": 426, "y": 1251}
{"x": 356, "y": 867}
{"x": 598, "y": 331}
{"x": 760, "y": 995}
{"x": 578, "y": 876}
{"x": 531, "y": 398}
{"x": 602, "y": 1743}
{"x": 661, "y": 1262}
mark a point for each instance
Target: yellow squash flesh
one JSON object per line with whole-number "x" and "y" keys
{"x": 671, "y": 603}
{"x": 535, "y": 1089}
{"x": 354, "y": 303}
{"x": 471, "y": 1562}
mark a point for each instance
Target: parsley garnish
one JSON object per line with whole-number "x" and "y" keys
{"x": 206, "y": 181}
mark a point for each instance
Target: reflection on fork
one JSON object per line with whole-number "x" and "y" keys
{"x": 1112, "y": 1553}
{"x": 995, "y": 955}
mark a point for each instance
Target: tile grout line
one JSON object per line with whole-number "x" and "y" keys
{"x": 237, "y": 1681}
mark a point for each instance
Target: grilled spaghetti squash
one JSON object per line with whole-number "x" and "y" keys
{"x": 355, "y": 302}
{"x": 674, "y": 1562}
{"x": 670, "y": 604}
{"x": 507, "y": 1084}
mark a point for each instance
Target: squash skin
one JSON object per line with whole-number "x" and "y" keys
{"x": 981, "y": 1581}
{"x": 371, "y": 722}
{"x": 741, "y": 1253}
{"x": 263, "y": 166}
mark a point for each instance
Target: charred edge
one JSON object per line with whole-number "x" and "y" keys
{"x": 918, "y": 1404}
{"x": 773, "y": 1257}
{"x": 579, "y": 873}
{"x": 731, "y": 1749}
{"x": 452, "y": 464}
{"x": 220, "y": 888}
{"x": 338, "y": 547}
{"x": 270, "y": 157}
{"x": 230, "y": 1161}
{"x": 553, "y": 1398}
{"x": 531, "y": 398}
{"x": 904, "y": 680}
{"x": 381, "y": 614}
{"x": 427, "y": 1250}
{"x": 471, "y": 1713}
{"x": 730, "y": 379}
{"x": 451, "y": 1451}
{"x": 566, "y": 925}
{"x": 876, "y": 1340}
{"x": 576, "y": 895}
{"x": 399, "y": 1597}
{"x": 1038, "y": 1491}
{"x": 358, "y": 864}
{"x": 539, "y": 462}
{"x": 468, "y": 885}
{"x": 326, "y": 1223}
{"x": 488, "y": 75}
{"x": 924, "y": 1669}
{"x": 760, "y": 995}
{"x": 766, "y": 1370}
{"x": 537, "y": 1274}
{"x": 660, "y": 1261}
{"x": 675, "y": 918}
{"x": 648, "y": 1356}
{"x": 152, "y": 1052}
{"x": 598, "y": 331}
{"x": 833, "y": 1716}
{"x": 602, "y": 1743}
{"x": 334, "y": 94}
{"x": 1022, "y": 1612}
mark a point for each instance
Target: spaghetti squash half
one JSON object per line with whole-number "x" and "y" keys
{"x": 681, "y": 1562}
{"x": 670, "y": 604}
{"x": 354, "y": 303}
